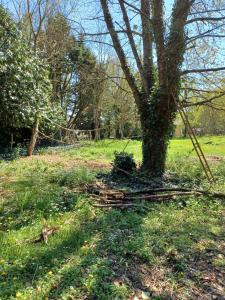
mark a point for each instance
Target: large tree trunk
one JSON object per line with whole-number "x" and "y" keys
{"x": 154, "y": 149}
{"x": 157, "y": 119}
{"x": 33, "y": 139}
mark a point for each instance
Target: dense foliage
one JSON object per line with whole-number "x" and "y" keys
{"x": 23, "y": 77}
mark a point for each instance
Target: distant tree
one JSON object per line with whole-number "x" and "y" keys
{"x": 209, "y": 118}
{"x": 83, "y": 68}
{"x": 55, "y": 44}
{"x": 74, "y": 73}
{"x": 119, "y": 111}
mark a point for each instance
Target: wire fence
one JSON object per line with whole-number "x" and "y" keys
{"x": 68, "y": 136}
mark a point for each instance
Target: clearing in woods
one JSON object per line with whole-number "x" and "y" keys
{"x": 172, "y": 250}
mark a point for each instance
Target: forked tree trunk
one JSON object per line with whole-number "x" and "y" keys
{"x": 33, "y": 139}
{"x": 157, "y": 110}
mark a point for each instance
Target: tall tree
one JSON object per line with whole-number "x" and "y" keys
{"x": 155, "y": 93}
{"x": 56, "y": 43}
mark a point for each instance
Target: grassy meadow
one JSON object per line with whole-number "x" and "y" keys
{"x": 173, "y": 250}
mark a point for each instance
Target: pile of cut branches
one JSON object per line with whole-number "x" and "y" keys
{"x": 124, "y": 199}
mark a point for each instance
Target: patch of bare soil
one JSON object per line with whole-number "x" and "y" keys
{"x": 152, "y": 282}
{"x": 207, "y": 274}
{"x": 5, "y": 193}
{"x": 201, "y": 281}
{"x": 215, "y": 158}
{"x": 149, "y": 282}
{"x": 66, "y": 162}
{"x": 97, "y": 165}
{"x": 49, "y": 158}
{"x": 212, "y": 158}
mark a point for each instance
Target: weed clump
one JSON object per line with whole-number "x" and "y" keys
{"x": 123, "y": 161}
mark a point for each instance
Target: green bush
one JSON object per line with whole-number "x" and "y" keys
{"x": 123, "y": 161}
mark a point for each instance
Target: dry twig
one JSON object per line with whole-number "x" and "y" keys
{"x": 45, "y": 233}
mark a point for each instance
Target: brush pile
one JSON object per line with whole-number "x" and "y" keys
{"x": 106, "y": 197}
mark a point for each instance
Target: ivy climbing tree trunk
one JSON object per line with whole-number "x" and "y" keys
{"x": 154, "y": 98}
{"x": 33, "y": 140}
{"x": 157, "y": 127}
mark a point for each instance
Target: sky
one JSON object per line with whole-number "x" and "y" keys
{"x": 83, "y": 18}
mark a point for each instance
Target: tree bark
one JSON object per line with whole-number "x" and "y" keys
{"x": 157, "y": 128}
{"x": 33, "y": 139}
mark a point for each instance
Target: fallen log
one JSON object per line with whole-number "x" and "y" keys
{"x": 161, "y": 197}
{"x": 156, "y": 190}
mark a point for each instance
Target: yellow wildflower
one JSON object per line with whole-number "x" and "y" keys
{"x": 18, "y": 295}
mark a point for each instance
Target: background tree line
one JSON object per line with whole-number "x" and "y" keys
{"x": 50, "y": 75}
{"x": 45, "y": 60}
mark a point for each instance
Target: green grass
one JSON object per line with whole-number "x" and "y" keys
{"x": 168, "y": 251}
{"x": 178, "y": 147}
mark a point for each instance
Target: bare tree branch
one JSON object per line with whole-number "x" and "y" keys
{"x": 201, "y": 91}
{"x": 206, "y": 101}
{"x": 158, "y": 29}
{"x": 206, "y": 11}
{"x": 205, "y": 19}
{"x": 132, "y": 44}
{"x": 202, "y": 70}
{"x": 136, "y": 8}
{"x": 107, "y": 33}
{"x": 215, "y": 107}
{"x": 147, "y": 45}
{"x": 204, "y": 34}
{"x": 176, "y": 43}
{"x": 119, "y": 50}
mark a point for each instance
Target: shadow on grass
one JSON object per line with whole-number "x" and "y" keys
{"x": 125, "y": 260}
{"x": 97, "y": 266}
{"x": 112, "y": 254}
{"x": 103, "y": 269}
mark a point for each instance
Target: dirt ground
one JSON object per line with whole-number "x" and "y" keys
{"x": 66, "y": 162}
